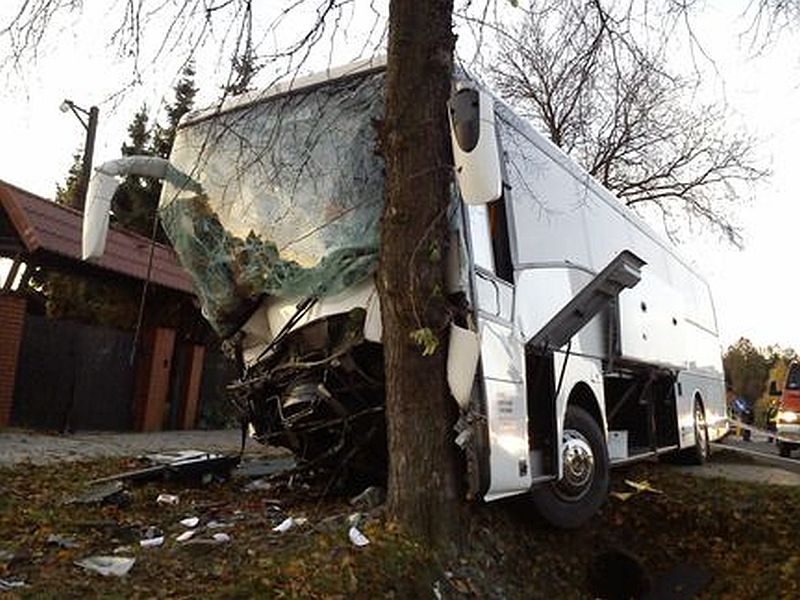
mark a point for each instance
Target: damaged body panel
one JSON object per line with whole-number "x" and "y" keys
{"x": 281, "y": 245}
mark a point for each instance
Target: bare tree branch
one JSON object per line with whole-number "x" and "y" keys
{"x": 581, "y": 73}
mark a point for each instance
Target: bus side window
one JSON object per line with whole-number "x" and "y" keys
{"x": 501, "y": 245}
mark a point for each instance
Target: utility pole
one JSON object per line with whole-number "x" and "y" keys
{"x": 88, "y": 119}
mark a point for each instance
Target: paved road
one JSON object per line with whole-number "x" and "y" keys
{"x": 758, "y": 445}
{"x": 753, "y": 461}
{"x": 40, "y": 448}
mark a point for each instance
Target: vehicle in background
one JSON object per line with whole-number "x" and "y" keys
{"x": 787, "y": 418}
{"x": 580, "y": 339}
{"x": 742, "y": 411}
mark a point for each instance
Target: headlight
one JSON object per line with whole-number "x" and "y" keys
{"x": 787, "y": 416}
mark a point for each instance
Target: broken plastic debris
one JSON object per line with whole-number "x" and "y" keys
{"x": 463, "y": 438}
{"x": 152, "y": 542}
{"x": 107, "y": 565}
{"x": 170, "y": 499}
{"x": 358, "y": 538}
{"x": 190, "y": 522}
{"x": 437, "y": 590}
{"x": 370, "y": 498}
{"x": 221, "y": 537}
{"x": 109, "y": 493}
{"x": 258, "y": 485}
{"x": 217, "y": 525}
{"x": 643, "y": 486}
{"x": 179, "y": 456}
{"x": 61, "y": 541}
{"x": 190, "y": 467}
{"x": 185, "y": 536}
{"x": 263, "y": 467}
{"x": 285, "y": 525}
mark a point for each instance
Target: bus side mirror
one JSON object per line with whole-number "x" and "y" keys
{"x": 476, "y": 155}
{"x": 773, "y": 389}
{"x": 96, "y": 214}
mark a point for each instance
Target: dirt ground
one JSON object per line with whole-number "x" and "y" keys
{"x": 686, "y": 528}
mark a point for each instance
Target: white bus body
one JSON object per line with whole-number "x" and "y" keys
{"x": 533, "y": 234}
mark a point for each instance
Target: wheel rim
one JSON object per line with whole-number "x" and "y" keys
{"x": 579, "y": 467}
{"x": 701, "y": 431}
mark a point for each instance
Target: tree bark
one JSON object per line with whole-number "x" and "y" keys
{"x": 423, "y": 490}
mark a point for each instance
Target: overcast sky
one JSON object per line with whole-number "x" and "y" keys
{"x": 756, "y": 290}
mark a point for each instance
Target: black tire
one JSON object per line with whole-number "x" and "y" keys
{"x": 572, "y": 501}
{"x": 698, "y": 453}
{"x": 784, "y": 449}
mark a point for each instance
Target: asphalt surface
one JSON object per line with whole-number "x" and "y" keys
{"x": 17, "y": 446}
{"x": 759, "y": 446}
{"x": 756, "y": 460}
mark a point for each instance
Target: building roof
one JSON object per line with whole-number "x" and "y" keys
{"x": 47, "y": 232}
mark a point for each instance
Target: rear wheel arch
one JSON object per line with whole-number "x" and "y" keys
{"x": 698, "y": 453}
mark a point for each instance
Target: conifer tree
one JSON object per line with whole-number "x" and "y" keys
{"x": 67, "y": 194}
{"x": 185, "y": 92}
{"x": 136, "y": 201}
{"x": 134, "y": 204}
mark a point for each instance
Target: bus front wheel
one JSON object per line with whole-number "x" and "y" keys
{"x": 571, "y": 501}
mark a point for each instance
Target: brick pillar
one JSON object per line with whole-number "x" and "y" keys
{"x": 152, "y": 385}
{"x": 12, "y": 322}
{"x": 190, "y": 392}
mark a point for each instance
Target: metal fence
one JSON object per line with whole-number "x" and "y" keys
{"x": 73, "y": 376}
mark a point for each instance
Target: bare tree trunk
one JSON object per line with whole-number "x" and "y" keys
{"x": 423, "y": 489}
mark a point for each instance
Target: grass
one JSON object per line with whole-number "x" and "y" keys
{"x": 743, "y": 537}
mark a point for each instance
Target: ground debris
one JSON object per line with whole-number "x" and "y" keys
{"x": 370, "y": 498}
{"x": 356, "y": 537}
{"x": 190, "y": 466}
{"x": 62, "y": 541}
{"x": 169, "y": 499}
{"x": 265, "y": 467}
{"x": 739, "y": 537}
{"x": 104, "y": 493}
{"x": 190, "y": 522}
{"x": 11, "y": 584}
{"x": 107, "y": 565}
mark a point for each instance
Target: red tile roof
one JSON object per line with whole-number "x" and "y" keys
{"x": 45, "y": 227}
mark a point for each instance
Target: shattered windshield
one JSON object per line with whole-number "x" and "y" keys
{"x": 292, "y": 196}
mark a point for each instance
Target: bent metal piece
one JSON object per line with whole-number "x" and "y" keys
{"x": 624, "y": 271}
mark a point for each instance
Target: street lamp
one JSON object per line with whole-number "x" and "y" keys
{"x": 88, "y": 119}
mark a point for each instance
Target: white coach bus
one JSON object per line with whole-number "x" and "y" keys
{"x": 581, "y": 340}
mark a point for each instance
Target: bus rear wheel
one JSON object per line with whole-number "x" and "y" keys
{"x": 576, "y": 497}
{"x": 698, "y": 453}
